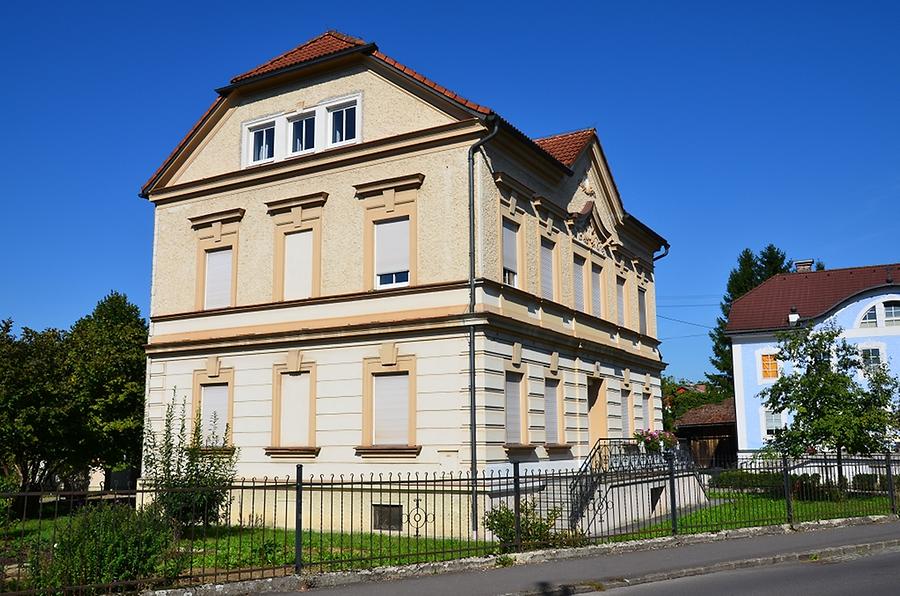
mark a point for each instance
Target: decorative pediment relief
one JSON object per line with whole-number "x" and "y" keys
{"x": 587, "y": 229}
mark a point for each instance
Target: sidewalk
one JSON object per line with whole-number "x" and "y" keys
{"x": 535, "y": 577}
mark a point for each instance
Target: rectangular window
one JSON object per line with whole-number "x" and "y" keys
{"x": 387, "y": 517}
{"x": 547, "y": 272}
{"x": 510, "y": 252}
{"x": 647, "y": 411}
{"x": 513, "y": 408}
{"x": 390, "y": 409}
{"x": 578, "y": 282}
{"x": 551, "y": 411}
{"x": 392, "y": 253}
{"x": 626, "y": 414}
{"x": 343, "y": 124}
{"x": 303, "y": 134}
{"x": 213, "y": 413}
{"x": 870, "y": 357}
{"x": 642, "y": 310}
{"x": 263, "y": 143}
{"x": 769, "y": 366}
{"x": 620, "y": 300}
{"x": 295, "y": 408}
{"x": 596, "y": 291}
{"x": 298, "y": 265}
{"x": 773, "y": 422}
{"x": 892, "y": 314}
{"x": 217, "y": 293}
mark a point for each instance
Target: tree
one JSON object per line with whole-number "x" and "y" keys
{"x": 831, "y": 409}
{"x": 751, "y": 271}
{"x": 679, "y": 396}
{"x": 107, "y": 368}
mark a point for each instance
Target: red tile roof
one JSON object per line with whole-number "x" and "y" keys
{"x": 709, "y": 414}
{"x": 814, "y": 294}
{"x": 326, "y": 44}
{"x": 566, "y": 147}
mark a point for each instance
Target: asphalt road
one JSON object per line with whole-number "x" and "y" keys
{"x": 869, "y": 576}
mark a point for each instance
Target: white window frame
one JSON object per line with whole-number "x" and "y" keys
{"x": 252, "y": 127}
{"x": 339, "y": 104}
{"x": 758, "y": 355}
{"x": 862, "y": 319}
{"x": 395, "y": 284}
{"x": 895, "y": 320}
{"x": 763, "y": 423}
{"x": 289, "y": 133}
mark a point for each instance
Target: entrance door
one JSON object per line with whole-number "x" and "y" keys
{"x": 597, "y": 420}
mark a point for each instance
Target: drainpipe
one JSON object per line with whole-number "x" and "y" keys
{"x": 472, "y": 418}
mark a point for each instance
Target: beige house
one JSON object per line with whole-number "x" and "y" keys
{"x": 312, "y": 284}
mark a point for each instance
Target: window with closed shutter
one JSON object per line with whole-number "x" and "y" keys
{"x": 551, "y": 411}
{"x": 620, "y": 300}
{"x": 596, "y": 291}
{"x": 547, "y": 273}
{"x": 578, "y": 281}
{"x": 218, "y": 278}
{"x": 390, "y": 409}
{"x": 295, "y": 408}
{"x": 213, "y": 413}
{"x": 513, "y": 408}
{"x": 298, "y": 265}
{"x": 626, "y": 414}
{"x": 647, "y": 411}
{"x": 392, "y": 253}
{"x": 642, "y": 310}
{"x": 510, "y": 252}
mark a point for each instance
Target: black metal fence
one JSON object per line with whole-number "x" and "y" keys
{"x": 103, "y": 541}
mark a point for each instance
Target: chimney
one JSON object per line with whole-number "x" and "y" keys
{"x": 803, "y": 266}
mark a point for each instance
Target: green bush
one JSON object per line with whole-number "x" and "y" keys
{"x": 103, "y": 544}
{"x": 804, "y": 487}
{"x": 869, "y": 482}
{"x": 537, "y": 530}
{"x": 190, "y": 473}
{"x": 8, "y": 484}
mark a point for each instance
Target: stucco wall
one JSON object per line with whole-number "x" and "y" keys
{"x": 387, "y": 110}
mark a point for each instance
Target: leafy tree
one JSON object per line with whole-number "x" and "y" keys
{"x": 751, "y": 270}
{"x": 831, "y": 409}
{"x": 679, "y": 396}
{"x": 107, "y": 368}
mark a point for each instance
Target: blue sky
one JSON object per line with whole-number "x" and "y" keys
{"x": 727, "y": 125}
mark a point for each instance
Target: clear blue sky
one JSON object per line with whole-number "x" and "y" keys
{"x": 727, "y": 125}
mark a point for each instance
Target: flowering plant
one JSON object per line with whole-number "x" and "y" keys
{"x": 655, "y": 440}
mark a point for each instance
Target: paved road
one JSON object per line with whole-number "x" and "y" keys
{"x": 522, "y": 578}
{"x": 870, "y": 576}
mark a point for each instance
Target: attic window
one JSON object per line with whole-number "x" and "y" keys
{"x": 263, "y": 143}
{"x": 343, "y": 123}
{"x": 892, "y": 314}
{"x": 870, "y": 319}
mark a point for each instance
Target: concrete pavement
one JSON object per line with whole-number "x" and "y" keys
{"x": 612, "y": 568}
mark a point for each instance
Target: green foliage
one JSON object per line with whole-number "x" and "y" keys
{"x": 192, "y": 474}
{"x": 751, "y": 270}
{"x": 869, "y": 482}
{"x": 804, "y": 487}
{"x": 831, "y": 409}
{"x": 536, "y": 529}
{"x": 676, "y": 403}
{"x": 108, "y": 543}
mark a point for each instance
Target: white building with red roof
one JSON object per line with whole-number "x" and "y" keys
{"x": 863, "y": 301}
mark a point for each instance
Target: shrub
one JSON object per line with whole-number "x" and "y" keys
{"x": 191, "y": 475}
{"x": 869, "y": 482}
{"x": 108, "y": 543}
{"x": 537, "y": 530}
{"x": 8, "y": 484}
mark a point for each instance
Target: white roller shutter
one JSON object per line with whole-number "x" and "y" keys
{"x": 578, "y": 280}
{"x": 218, "y": 278}
{"x": 392, "y": 246}
{"x": 298, "y": 265}
{"x": 551, "y": 411}
{"x": 596, "y": 291}
{"x": 295, "y": 392}
{"x": 547, "y": 269}
{"x": 390, "y": 409}
{"x": 513, "y": 403}
{"x": 510, "y": 246}
{"x": 620, "y": 300}
{"x": 626, "y": 414}
{"x": 213, "y": 413}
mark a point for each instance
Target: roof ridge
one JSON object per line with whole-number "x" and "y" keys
{"x": 355, "y": 41}
{"x": 592, "y": 129}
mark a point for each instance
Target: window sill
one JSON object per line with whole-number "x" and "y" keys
{"x": 388, "y": 450}
{"x": 519, "y": 448}
{"x": 557, "y": 447}
{"x": 292, "y": 452}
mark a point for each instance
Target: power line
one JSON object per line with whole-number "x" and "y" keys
{"x": 684, "y": 322}
{"x": 683, "y": 336}
{"x": 682, "y": 305}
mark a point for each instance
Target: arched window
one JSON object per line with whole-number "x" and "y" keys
{"x": 869, "y": 319}
{"x": 891, "y": 313}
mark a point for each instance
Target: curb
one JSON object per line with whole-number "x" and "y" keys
{"x": 825, "y": 554}
{"x": 293, "y": 583}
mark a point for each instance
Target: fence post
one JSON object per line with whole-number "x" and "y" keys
{"x": 298, "y": 521}
{"x": 892, "y": 489}
{"x": 673, "y": 504}
{"x": 788, "y": 498}
{"x": 517, "y": 504}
